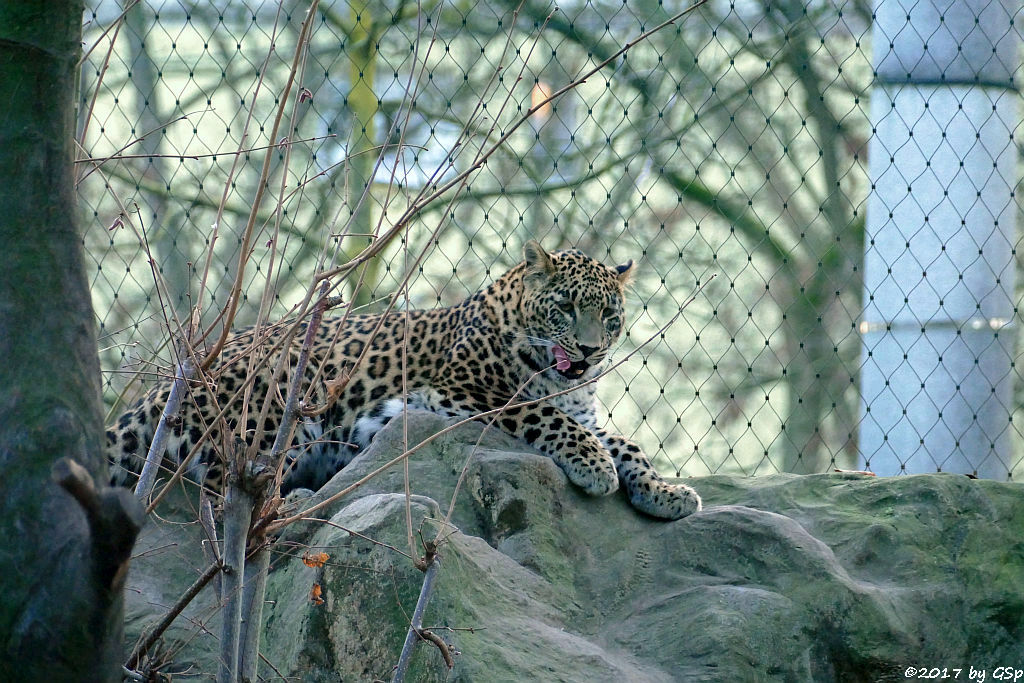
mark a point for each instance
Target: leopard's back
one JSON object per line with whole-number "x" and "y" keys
{"x": 368, "y": 360}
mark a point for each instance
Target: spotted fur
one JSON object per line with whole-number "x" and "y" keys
{"x": 548, "y": 323}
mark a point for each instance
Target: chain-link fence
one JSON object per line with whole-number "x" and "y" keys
{"x": 851, "y": 298}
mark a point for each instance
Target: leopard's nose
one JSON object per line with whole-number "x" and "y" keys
{"x": 588, "y": 351}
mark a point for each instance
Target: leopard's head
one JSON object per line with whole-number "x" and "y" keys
{"x": 572, "y": 309}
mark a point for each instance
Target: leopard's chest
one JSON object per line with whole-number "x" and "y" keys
{"x": 579, "y": 404}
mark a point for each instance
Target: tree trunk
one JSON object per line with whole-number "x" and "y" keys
{"x": 363, "y": 108}
{"x": 64, "y": 550}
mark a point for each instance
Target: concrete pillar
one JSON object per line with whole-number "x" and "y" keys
{"x": 938, "y": 327}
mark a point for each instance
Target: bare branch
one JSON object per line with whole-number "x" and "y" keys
{"x": 414, "y": 633}
{"x": 274, "y": 525}
{"x": 460, "y": 179}
{"x": 116, "y": 25}
{"x": 154, "y": 457}
{"x": 147, "y": 641}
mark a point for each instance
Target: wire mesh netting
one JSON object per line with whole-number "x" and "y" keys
{"x": 850, "y": 299}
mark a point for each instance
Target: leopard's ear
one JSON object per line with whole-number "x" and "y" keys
{"x": 539, "y": 266}
{"x": 625, "y": 272}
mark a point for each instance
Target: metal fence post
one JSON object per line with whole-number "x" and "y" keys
{"x": 936, "y": 378}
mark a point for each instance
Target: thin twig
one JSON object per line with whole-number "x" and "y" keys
{"x": 352, "y": 532}
{"x": 99, "y": 161}
{"x": 244, "y": 252}
{"x": 229, "y": 182}
{"x": 447, "y": 522}
{"x": 460, "y": 179}
{"x": 121, "y": 157}
{"x": 274, "y": 525}
{"x": 265, "y": 301}
{"x": 117, "y": 23}
{"x": 151, "y": 636}
{"x": 286, "y": 427}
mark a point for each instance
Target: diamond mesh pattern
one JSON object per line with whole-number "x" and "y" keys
{"x": 734, "y": 142}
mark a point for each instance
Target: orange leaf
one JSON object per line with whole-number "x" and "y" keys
{"x": 315, "y": 559}
{"x": 336, "y": 386}
{"x": 315, "y": 595}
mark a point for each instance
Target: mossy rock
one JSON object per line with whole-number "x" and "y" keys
{"x": 780, "y": 578}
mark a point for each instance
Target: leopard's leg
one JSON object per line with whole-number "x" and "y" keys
{"x": 572, "y": 446}
{"x": 548, "y": 429}
{"x": 128, "y": 442}
{"x": 647, "y": 491}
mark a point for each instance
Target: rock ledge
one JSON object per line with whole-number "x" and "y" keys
{"x": 779, "y": 578}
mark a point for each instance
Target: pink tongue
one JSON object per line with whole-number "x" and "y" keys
{"x": 561, "y": 359}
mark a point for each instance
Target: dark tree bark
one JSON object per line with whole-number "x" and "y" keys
{"x": 64, "y": 541}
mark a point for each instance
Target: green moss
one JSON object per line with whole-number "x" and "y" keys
{"x": 823, "y": 577}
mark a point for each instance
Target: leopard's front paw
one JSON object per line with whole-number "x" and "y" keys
{"x": 596, "y": 475}
{"x": 666, "y": 501}
{"x": 600, "y": 481}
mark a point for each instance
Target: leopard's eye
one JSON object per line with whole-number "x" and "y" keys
{"x": 608, "y": 312}
{"x": 565, "y": 306}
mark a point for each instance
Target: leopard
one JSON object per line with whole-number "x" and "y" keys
{"x": 529, "y": 345}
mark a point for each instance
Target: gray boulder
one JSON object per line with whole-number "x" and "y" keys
{"x": 780, "y": 578}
